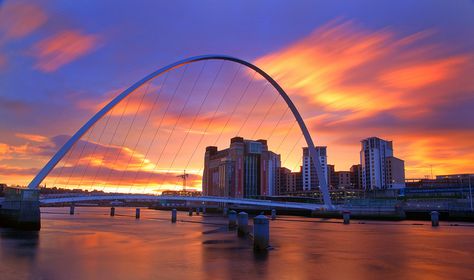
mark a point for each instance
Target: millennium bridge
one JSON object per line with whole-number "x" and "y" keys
{"x": 22, "y": 205}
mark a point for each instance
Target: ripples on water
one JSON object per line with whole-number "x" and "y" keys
{"x": 93, "y": 245}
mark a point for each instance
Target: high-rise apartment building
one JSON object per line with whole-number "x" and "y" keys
{"x": 380, "y": 169}
{"x": 310, "y": 177}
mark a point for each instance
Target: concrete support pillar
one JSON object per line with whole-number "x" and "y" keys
{"x": 274, "y": 214}
{"x": 243, "y": 224}
{"x": 224, "y": 211}
{"x": 434, "y": 218}
{"x": 137, "y": 213}
{"x": 174, "y": 213}
{"x": 261, "y": 233}
{"x": 346, "y": 216}
{"x": 190, "y": 212}
{"x": 20, "y": 209}
{"x": 71, "y": 209}
{"x": 112, "y": 211}
{"x": 232, "y": 219}
{"x": 197, "y": 211}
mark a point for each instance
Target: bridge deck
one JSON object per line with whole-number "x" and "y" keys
{"x": 241, "y": 201}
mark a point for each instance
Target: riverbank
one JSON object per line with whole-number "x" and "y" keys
{"x": 357, "y": 213}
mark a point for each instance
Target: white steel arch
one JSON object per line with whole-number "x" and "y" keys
{"x": 70, "y": 143}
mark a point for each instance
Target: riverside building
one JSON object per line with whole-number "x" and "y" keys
{"x": 246, "y": 169}
{"x": 380, "y": 169}
{"x": 309, "y": 175}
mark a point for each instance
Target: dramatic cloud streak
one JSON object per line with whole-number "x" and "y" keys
{"x": 89, "y": 165}
{"x": 62, "y": 48}
{"x": 348, "y": 78}
{"x": 32, "y": 137}
{"x": 19, "y": 19}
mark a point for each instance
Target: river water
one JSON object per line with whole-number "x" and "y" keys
{"x": 93, "y": 245}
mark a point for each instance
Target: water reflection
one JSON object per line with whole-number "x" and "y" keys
{"x": 18, "y": 253}
{"x": 19, "y": 243}
{"x": 93, "y": 245}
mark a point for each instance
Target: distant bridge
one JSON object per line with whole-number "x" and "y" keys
{"x": 151, "y": 198}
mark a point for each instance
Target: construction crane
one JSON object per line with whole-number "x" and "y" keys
{"x": 184, "y": 176}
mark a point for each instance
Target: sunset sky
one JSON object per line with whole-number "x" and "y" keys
{"x": 399, "y": 70}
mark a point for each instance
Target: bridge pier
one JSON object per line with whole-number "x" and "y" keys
{"x": 261, "y": 233}
{"x": 434, "y": 218}
{"x": 20, "y": 209}
{"x": 274, "y": 214}
{"x": 346, "y": 216}
{"x": 137, "y": 213}
{"x": 232, "y": 219}
{"x": 173, "y": 215}
{"x": 243, "y": 223}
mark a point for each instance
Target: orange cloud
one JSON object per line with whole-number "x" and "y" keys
{"x": 420, "y": 75}
{"x": 317, "y": 65}
{"x": 426, "y": 151}
{"x": 88, "y": 165}
{"x": 341, "y": 67}
{"x": 19, "y": 19}
{"x": 17, "y": 151}
{"x": 344, "y": 78}
{"x": 32, "y": 137}
{"x": 60, "y": 49}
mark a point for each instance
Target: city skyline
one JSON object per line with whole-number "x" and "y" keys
{"x": 350, "y": 75}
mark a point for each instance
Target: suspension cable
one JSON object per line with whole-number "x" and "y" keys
{"x": 291, "y": 151}
{"x": 161, "y": 121}
{"x": 278, "y": 123}
{"x": 286, "y": 136}
{"x": 80, "y": 155}
{"x": 265, "y": 117}
{"x": 235, "y": 108}
{"x": 196, "y": 115}
{"x": 141, "y": 133}
{"x": 156, "y": 131}
{"x": 253, "y": 108}
{"x": 110, "y": 143}
{"x": 139, "y": 137}
{"x": 64, "y": 164}
{"x": 96, "y": 145}
{"x": 179, "y": 116}
{"x": 126, "y": 136}
{"x": 214, "y": 114}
